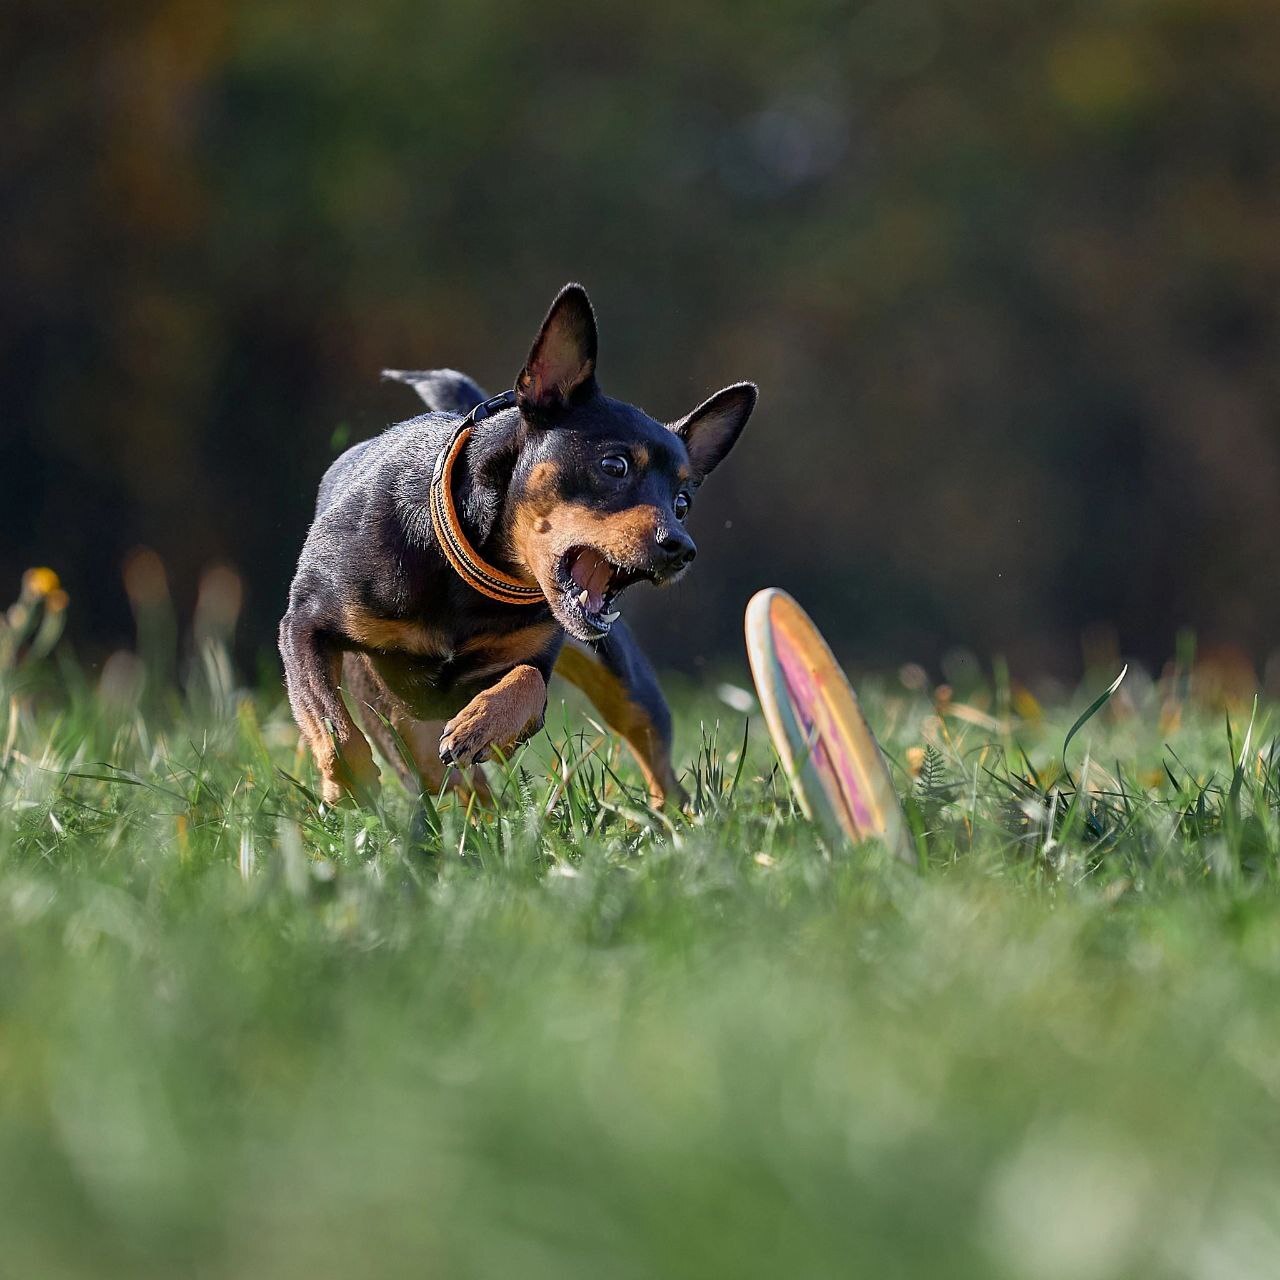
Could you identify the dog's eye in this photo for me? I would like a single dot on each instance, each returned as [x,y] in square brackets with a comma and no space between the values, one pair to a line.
[614,465]
[681,505]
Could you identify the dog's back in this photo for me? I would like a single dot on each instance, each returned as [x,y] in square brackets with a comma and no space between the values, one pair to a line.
[446,394]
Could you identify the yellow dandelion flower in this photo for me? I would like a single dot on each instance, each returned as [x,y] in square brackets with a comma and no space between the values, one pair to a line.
[39,583]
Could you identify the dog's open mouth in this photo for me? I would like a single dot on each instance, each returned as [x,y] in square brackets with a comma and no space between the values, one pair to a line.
[588,583]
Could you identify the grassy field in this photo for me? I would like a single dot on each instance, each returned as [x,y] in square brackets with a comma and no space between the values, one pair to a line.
[241,1037]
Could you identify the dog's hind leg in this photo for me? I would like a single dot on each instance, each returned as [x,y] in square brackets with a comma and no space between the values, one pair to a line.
[376,712]
[618,679]
[312,665]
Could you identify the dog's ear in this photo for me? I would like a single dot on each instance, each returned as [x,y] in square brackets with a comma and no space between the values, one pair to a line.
[713,428]
[562,364]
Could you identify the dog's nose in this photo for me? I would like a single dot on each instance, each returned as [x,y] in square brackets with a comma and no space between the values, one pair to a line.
[677,548]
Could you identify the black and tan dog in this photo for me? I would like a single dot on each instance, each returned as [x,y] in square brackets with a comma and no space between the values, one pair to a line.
[458,558]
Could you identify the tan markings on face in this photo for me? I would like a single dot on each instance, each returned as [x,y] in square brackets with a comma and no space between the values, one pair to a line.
[626,537]
[684,475]
[390,634]
[538,541]
[641,456]
[531,523]
[542,481]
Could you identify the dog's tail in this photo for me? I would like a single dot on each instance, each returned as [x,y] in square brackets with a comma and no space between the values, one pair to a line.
[442,390]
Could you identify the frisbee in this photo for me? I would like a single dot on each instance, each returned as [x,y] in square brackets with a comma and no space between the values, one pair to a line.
[831,759]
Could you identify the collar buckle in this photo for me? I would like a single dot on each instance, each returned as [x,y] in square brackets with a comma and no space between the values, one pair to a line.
[494,404]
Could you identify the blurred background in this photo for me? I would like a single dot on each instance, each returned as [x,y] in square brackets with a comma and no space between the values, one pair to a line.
[1008,274]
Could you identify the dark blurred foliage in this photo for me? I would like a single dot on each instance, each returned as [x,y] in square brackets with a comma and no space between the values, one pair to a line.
[1007,272]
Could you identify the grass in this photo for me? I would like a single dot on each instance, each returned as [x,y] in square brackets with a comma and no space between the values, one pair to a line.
[242,1037]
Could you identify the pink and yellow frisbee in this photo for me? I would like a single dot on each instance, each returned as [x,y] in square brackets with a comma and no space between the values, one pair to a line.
[827,750]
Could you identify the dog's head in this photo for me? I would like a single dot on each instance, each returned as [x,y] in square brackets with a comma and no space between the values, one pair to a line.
[600,493]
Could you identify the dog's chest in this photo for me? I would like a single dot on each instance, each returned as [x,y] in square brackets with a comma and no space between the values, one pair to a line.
[430,667]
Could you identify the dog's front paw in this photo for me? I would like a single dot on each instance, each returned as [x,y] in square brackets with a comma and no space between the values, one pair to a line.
[467,738]
[471,736]
[499,717]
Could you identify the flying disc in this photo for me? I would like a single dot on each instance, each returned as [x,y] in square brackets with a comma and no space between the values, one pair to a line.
[827,749]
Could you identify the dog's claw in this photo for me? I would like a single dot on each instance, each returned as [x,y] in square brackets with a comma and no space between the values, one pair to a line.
[460,749]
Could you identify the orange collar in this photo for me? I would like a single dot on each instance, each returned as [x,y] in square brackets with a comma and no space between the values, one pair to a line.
[459,552]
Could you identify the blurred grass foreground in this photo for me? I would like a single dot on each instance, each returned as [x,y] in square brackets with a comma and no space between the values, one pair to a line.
[241,1036]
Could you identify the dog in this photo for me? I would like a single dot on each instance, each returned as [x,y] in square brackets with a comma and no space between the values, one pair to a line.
[460,557]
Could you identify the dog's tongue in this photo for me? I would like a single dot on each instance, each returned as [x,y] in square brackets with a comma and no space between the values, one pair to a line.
[591,571]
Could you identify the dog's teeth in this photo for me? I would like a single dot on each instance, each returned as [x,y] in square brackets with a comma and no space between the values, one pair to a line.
[584,597]
[610,618]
